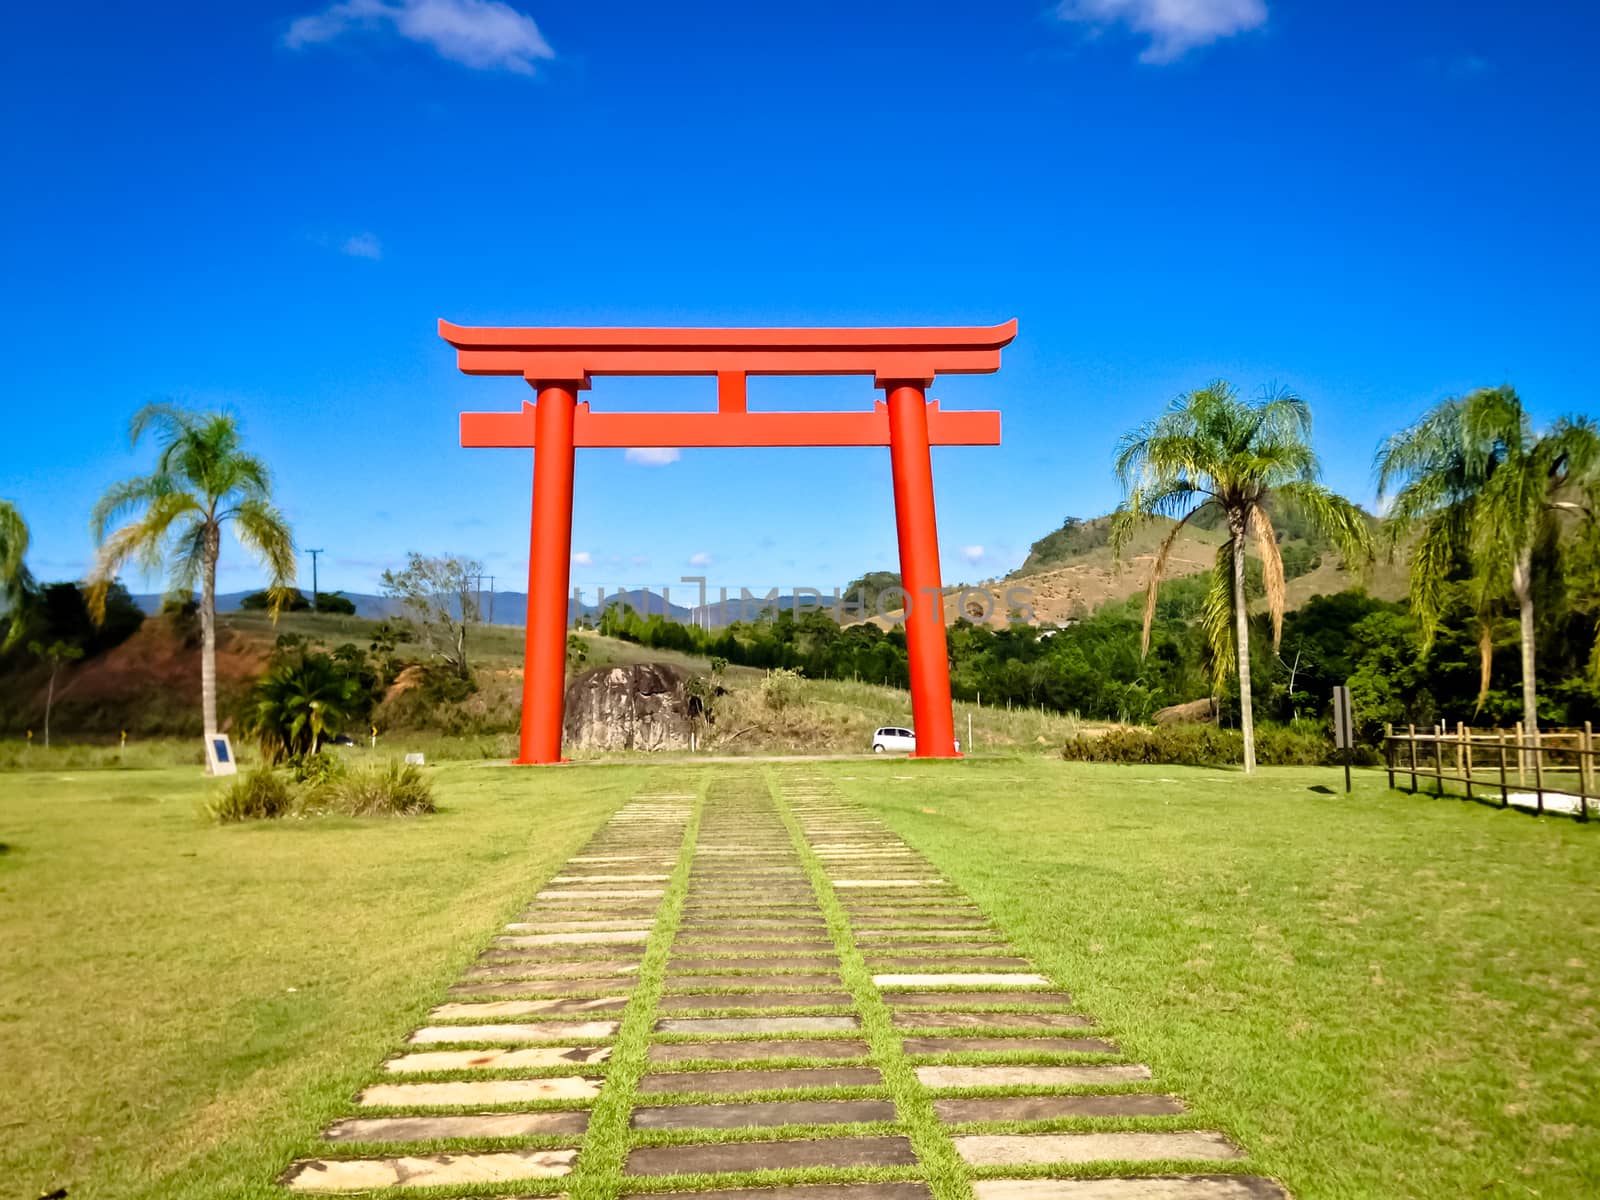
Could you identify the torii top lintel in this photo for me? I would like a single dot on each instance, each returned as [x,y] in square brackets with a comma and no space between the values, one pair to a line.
[569,358]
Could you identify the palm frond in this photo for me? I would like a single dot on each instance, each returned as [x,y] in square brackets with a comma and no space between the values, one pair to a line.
[1157,569]
[1271,571]
[1216,617]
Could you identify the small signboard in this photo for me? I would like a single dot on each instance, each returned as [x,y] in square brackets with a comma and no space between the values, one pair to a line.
[219,755]
[415,760]
[1344,729]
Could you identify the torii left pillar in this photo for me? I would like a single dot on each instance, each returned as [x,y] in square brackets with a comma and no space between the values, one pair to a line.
[549,573]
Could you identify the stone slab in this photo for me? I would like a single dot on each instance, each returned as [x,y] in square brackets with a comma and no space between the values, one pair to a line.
[471,1125]
[771,1156]
[883,961]
[712,945]
[759,1080]
[496,1060]
[922,1019]
[668,1052]
[525,1008]
[1007,1076]
[814,1191]
[541,1031]
[1007,1045]
[693,1000]
[1152,1187]
[775,1112]
[722,1025]
[886,883]
[532,987]
[961,979]
[431,1170]
[478,1091]
[766,980]
[1032,1149]
[971,999]
[595,937]
[888,939]
[550,925]
[611,878]
[601,894]
[594,969]
[733,963]
[1051,1108]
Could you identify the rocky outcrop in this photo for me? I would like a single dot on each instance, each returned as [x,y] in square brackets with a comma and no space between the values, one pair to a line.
[1195,712]
[637,707]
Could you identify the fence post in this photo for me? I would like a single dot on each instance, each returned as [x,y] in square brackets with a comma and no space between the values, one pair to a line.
[1522,758]
[1438,761]
[1586,770]
[1505,795]
[1538,767]
[1412,739]
[1388,750]
[1464,757]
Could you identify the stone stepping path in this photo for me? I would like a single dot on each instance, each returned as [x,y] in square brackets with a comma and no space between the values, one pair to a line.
[763,979]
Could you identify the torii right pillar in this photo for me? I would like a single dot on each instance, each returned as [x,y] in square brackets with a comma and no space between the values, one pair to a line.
[916,524]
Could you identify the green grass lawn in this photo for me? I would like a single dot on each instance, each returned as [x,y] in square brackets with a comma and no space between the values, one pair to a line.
[182,1006]
[1380,995]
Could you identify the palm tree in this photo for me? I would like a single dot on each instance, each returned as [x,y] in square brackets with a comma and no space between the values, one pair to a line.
[1211,450]
[298,704]
[1472,483]
[15,582]
[202,481]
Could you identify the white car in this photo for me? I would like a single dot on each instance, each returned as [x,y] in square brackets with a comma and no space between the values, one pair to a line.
[892,738]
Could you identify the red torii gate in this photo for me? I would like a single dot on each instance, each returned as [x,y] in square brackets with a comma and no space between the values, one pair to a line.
[558,363]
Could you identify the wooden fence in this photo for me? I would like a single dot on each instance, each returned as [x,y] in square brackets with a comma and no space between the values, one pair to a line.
[1551,770]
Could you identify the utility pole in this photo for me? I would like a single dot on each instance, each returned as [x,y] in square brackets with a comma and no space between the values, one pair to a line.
[491,599]
[313,554]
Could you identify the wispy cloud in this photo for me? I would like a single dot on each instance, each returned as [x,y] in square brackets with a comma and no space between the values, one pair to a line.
[652,456]
[973,554]
[363,245]
[702,559]
[486,35]
[1174,26]
[583,559]
[640,560]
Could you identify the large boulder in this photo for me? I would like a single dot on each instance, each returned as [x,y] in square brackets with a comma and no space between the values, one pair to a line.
[1194,712]
[637,707]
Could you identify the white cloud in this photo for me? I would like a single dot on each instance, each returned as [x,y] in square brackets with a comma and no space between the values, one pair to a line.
[652,456]
[701,559]
[486,35]
[973,554]
[1175,26]
[583,559]
[363,245]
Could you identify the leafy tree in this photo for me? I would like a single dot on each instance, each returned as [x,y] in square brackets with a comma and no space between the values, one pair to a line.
[440,595]
[15,582]
[577,652]
[1211,451]
[1472,483]
[279,600]
[203,480]
[57,652]
[336,603]
[302,700]
[863,593]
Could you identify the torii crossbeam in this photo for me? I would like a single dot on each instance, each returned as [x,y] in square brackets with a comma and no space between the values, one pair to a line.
[558,363]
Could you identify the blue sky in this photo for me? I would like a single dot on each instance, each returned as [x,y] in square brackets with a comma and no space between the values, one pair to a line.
[267,207]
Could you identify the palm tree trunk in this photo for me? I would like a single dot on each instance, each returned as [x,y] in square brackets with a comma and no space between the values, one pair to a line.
[1522,584]
[50,700]
[1241,625]
[208,631]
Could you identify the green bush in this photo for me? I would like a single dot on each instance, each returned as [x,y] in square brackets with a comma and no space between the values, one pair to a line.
[259,795]
[393,790]
[781,688]
[317,769]
[1208,746]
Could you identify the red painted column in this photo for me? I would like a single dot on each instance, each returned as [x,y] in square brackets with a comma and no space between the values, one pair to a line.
[544,677]
[919,570]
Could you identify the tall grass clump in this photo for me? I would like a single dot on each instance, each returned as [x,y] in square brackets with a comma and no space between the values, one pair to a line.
[256,795]
[396,789]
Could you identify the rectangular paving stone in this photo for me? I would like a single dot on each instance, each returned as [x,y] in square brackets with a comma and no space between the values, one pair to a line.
[691,1000]
[893,937]
[757,1080]
[811,1191]
[432,1170]
[765,980]
[776,1112]
[472,1125]
[1050,1108]
[554,926]
[1007,1045]
[879,962]
[668,1052]
[771,1156]
[525,1008]
[589,938]
[886,883]
[1030,1149]
[1006,1076]
[712,945]
[532,987]
[734,963]
[478,1092]
[713,1025]
[497,1060]
[599,968]
[541,1031]
[971,999]
[611,878]
[1150,1187]
[621,858]
[965,979]
[600,894]
[927,1019]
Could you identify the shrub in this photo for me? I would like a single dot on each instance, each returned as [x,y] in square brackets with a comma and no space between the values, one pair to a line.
[317,769]
[259,795]
[1208,746]
[394,790]
[780,688]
